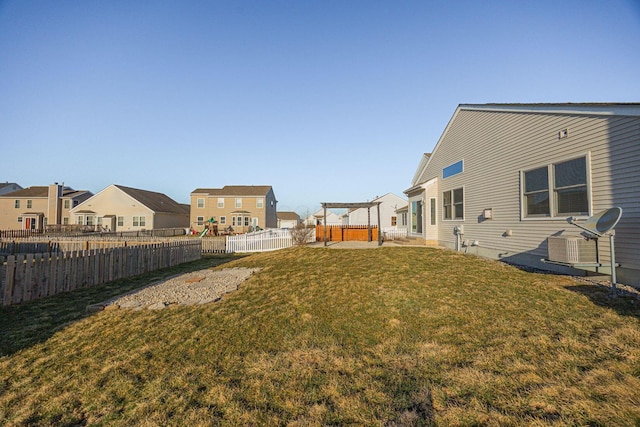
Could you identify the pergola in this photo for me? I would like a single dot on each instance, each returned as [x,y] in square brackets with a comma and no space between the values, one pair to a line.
[356,205]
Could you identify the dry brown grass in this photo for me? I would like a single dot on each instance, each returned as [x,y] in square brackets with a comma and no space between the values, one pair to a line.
[388,336]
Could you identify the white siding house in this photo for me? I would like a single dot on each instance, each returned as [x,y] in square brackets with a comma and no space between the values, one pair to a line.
[511,174]
[389,203]
[318,218]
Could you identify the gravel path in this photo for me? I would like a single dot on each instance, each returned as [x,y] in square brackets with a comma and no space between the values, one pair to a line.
[197,287]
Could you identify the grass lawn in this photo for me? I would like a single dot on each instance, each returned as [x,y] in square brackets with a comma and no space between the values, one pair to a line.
[386,336]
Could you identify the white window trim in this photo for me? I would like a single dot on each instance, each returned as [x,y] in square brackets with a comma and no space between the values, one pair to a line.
[200,203]
[238,202]
[220,202]
[464,211]
[552,202]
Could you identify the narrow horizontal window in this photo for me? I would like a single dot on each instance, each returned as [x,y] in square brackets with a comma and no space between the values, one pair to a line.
[453,169]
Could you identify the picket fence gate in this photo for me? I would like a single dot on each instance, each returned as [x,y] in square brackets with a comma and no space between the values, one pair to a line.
[31,276]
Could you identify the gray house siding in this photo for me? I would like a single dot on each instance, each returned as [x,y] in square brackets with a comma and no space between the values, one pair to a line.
[496,147]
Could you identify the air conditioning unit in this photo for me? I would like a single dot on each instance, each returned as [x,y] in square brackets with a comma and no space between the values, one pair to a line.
[571,250]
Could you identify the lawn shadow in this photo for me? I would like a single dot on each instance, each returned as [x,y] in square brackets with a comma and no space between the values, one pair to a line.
[625,302]
[33,322]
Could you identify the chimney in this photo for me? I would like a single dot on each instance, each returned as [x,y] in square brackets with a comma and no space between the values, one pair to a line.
[54,215]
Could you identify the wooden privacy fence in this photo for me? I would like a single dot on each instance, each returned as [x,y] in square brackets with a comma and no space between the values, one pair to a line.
[84,232]
[214,245]
[344,233]
[31,276]
[18,247]
[84,243]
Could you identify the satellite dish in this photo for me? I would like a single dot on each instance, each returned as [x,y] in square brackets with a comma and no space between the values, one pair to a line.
[603,221]
[600,224]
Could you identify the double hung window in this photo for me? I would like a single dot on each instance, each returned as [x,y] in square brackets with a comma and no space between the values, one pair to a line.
[453,204]
[558,189]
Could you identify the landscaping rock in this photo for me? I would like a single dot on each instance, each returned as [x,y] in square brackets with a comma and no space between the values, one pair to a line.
[198,287]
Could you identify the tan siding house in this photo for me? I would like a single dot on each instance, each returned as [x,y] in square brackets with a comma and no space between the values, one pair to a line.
[511,174]
[238,207]
[120,208]
[39,207]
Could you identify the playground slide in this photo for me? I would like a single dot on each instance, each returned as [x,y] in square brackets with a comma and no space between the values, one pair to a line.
[205,231]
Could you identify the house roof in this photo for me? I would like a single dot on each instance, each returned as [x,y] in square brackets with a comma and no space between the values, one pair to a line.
[594,108]
[288,216]
[600,108]
[43,191]
[71,193]
[38,191]
[6,184]
[235,190]
[157,202]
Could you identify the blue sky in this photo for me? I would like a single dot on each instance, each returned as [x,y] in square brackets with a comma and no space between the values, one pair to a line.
[327,101]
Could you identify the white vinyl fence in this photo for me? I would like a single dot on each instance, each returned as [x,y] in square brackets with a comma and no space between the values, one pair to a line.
[263,241]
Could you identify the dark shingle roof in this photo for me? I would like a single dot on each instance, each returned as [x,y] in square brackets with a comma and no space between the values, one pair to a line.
[235,190]
[157,202]
[71,193]
[6,184]
[29,192]
[43,191]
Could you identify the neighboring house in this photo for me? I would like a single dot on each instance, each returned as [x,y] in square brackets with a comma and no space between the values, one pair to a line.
[288,219]
[241,207]
[9,187]
[119,208]
[511,174]
[318,218]
[39,207]
[389,203]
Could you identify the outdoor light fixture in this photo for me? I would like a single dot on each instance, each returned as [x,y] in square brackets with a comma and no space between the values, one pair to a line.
[487,213]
